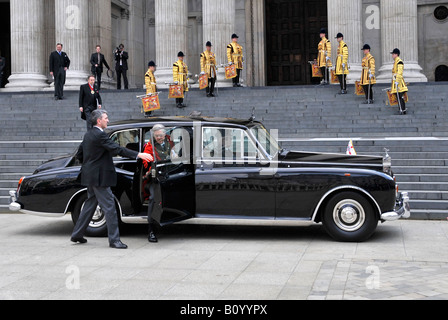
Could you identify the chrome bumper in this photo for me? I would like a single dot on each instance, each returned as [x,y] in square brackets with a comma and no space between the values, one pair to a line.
[13,204]
[403,211]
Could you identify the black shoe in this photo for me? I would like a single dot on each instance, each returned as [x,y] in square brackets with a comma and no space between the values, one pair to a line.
[235,85]
[152,237]
[118,245]
[80,240]
[212,95]
[179,106]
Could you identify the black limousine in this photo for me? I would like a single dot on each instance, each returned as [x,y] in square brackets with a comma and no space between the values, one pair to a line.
[224,169]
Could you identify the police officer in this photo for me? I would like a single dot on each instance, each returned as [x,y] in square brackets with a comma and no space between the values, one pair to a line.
[180,76]
[235,56]
[368,74]
[208,66]
[342,63]
[398,83]
[323,57]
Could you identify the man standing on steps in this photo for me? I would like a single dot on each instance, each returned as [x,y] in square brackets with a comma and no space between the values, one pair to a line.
[89,100]
[59,64]
[180,76]
[323,57]
[97,60]
[368,74]
[342,63]
[121,66]
[235,56]
[208,66]
[98,175]
[398,84]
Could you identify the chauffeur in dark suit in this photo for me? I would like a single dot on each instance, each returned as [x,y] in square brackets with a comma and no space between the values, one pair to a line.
[98,175]
[59,64]
[97,60]
[89,100]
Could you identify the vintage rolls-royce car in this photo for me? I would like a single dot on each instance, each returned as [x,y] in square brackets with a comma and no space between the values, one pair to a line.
[224,168]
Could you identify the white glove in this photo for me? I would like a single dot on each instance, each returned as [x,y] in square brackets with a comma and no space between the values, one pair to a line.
[176,82]
[327,59]
[396,84]
[202,73]
[370,76]
[343,65]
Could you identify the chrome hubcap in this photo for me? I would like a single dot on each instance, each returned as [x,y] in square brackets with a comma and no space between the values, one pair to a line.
[98,219]
[349,215]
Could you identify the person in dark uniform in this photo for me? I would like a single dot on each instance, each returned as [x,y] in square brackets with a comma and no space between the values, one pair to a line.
[97,60]
[121,66]
[89,100]
[59,64]
[98,175]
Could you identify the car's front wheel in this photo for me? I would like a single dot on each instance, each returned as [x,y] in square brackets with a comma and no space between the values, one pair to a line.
[97,227]
[350,217]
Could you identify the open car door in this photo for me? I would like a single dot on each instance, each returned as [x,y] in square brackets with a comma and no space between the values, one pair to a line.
[172,175]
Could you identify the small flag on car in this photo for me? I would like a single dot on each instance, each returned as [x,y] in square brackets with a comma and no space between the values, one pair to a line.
[351,149]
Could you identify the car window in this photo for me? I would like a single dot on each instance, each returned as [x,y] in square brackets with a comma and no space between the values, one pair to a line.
[129,139]
[172,145]
[227,144]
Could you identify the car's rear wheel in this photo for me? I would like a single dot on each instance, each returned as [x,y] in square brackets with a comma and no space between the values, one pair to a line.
[348,216]
[97,227]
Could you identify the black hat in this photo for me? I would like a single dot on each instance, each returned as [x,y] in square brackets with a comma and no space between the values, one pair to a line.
[366,47]
[180,54]
[395,51]
[151,64]
[340,35]
[323,31]
[208,44]
[234,36]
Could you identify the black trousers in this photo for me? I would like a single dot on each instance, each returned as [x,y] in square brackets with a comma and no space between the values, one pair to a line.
[325,74]
[236,80]
[88,113]
[179,101]
[211,86]
[98,74]
[366,91]
[343,81]
[105,198]
[401,103]
[59,82]
[151,203]
[122,72]
[1,79]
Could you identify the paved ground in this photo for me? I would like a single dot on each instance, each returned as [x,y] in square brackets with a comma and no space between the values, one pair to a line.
[404,260]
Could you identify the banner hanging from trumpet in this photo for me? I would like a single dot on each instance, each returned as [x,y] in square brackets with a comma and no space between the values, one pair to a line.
[203,81]
[230,71]
[151,103]
[176,91]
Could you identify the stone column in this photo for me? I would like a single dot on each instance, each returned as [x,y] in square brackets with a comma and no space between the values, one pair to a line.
[399,30]
[345,16]
[218,27]
[171,37]
[27,46]
[72,30]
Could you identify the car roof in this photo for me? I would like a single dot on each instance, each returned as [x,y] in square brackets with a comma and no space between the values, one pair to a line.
[179,119]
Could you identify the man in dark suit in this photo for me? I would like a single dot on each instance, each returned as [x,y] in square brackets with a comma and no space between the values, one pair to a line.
[121,66]
[97,61]
[89,100]
[98,175]
[59,64]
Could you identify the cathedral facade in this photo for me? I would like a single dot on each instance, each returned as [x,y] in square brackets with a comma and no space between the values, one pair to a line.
[279,37]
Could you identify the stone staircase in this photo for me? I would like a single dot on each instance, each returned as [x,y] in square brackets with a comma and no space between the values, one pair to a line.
[35,128]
